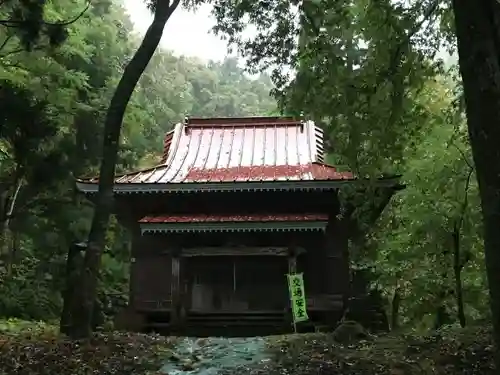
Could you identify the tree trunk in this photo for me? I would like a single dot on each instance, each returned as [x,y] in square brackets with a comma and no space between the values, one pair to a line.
[6,240]
[84,303]
[14,249]
[73,265]
[459,259]
[4,192]
[395,305]
[478,34]
[457,270]
[442,316]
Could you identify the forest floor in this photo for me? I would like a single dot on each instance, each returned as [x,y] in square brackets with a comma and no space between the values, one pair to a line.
[29,349]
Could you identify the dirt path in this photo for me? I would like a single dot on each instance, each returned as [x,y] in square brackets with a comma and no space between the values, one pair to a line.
[214,355]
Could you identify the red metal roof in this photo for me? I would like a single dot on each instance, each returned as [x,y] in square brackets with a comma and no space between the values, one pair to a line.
[232,218]
[248,149]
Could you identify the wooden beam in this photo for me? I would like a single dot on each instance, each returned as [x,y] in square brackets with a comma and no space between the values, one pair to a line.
[236,251]
[325,302]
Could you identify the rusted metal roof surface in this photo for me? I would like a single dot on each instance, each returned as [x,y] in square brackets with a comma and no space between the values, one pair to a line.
[251,149]
[231,218]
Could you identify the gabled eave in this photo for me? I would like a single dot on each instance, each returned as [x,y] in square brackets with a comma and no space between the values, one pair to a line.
[186,187]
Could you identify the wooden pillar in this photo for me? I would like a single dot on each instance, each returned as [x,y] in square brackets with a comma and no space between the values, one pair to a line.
[292,268]
[134,247]
[175,283]
[292,260]
[345,227]
[130,222]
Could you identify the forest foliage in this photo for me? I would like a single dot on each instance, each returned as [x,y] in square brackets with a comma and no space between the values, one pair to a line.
[382,79]
[370,77]
[53,102]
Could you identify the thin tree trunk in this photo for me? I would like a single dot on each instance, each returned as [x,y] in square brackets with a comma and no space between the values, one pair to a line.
[84,304]
[73,266]
[74,257]
[14,247]
[442,316]
[395,305]
[459,259]
[457,270]
[5,232]
[4,188]
[478,35]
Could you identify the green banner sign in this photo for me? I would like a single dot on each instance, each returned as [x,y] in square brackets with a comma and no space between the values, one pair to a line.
[297,297]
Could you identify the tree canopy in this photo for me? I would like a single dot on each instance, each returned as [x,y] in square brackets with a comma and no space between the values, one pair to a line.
[372,74]
[375,76]
[53,104]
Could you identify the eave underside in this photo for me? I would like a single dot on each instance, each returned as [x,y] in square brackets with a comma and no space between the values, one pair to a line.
[290,185]
[289,226]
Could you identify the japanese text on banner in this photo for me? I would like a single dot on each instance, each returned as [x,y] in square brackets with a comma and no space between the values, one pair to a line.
[297,297]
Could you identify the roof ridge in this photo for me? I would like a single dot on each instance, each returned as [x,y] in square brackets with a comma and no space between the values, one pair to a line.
[167,142]
[200,217]
[236,122]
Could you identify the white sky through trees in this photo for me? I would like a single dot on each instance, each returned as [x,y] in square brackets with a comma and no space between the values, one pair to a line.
[189,34]
[186,33]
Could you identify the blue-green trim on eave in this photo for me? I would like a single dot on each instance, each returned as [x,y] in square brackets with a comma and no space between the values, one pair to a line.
[290,185]
[272,226]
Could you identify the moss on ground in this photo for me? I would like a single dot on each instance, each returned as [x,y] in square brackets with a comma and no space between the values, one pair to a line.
[449,351]
[37,348]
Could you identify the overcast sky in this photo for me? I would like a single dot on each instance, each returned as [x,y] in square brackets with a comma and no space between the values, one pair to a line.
[186,33]
[189,33]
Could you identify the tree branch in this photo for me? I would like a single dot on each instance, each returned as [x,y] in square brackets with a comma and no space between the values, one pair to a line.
[465,202]
[396,56]
[19,50]
[67,23]
[16,66]
[173,7]
[462,153]
[14,23]
[34,202]
[310,18]
[9,37]
[4,153]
